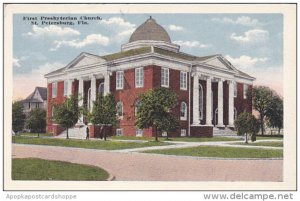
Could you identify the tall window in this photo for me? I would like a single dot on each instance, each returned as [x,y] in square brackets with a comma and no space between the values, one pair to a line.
[164,77]
[120,109]
[183,111]
[54,89]
[137,107]
[101,89]
[200,102]
[119,80]
[65,88]
[183,80]
[139,77]
[245,89]
[235,89]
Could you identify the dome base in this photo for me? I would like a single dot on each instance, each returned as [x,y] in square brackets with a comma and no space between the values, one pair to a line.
[146,43]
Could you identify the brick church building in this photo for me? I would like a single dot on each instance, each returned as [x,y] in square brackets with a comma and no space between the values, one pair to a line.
[211,91]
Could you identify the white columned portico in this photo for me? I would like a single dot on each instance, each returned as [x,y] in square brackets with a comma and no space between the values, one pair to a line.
[196,119]
[70,82]
[231,104]
[93,90]
[208,101]
[107,83]
[80,98]
[220,103]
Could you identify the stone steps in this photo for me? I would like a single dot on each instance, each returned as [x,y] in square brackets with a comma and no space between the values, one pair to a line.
[224,132]
[78,133]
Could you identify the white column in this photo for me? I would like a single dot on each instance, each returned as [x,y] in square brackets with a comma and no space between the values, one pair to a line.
[196,115]
[80,99]
[107,83]
[93,90]
[70,87]
[208,101]
[220,103]
[231,105]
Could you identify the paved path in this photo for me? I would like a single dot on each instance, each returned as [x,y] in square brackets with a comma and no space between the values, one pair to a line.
[150,167]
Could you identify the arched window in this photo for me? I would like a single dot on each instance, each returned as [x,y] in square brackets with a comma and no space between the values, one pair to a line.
[200,102]
[183,111]
[137,107]
[120,109]
[89,100]
[101,89]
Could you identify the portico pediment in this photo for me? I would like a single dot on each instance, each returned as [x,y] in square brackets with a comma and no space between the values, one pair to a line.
[84,59]
[219,62]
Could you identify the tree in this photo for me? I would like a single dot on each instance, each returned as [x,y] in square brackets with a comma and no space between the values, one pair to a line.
[262,97]
[104,112]
[36,121]
[155,110]
[246,124]
[18,116]
[67,113]
[275,113]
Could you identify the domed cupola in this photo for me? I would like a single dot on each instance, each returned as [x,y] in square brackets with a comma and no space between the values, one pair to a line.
[150,34]
[150,30]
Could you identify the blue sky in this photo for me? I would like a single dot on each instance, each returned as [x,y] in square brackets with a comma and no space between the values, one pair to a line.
[251,42]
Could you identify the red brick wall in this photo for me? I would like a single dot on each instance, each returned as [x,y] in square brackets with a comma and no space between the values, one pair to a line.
[240,103]
[57,100]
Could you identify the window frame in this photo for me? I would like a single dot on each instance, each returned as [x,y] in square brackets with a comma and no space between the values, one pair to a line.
[181,134]
[120,130]
[165,77]
[122,109]
[66,83]
[245,89]
[54,86]
[119,80]
[139,132]
[201,102]
[139,77]
[183,80]
[235,90]
[183,118]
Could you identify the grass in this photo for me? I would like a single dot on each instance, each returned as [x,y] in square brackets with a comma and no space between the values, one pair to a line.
[261,143]
[90,144]
[268,138]
[38,169]
[34,134]
[221,152]
[184,139]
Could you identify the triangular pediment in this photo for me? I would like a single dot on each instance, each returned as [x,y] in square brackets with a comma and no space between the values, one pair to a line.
[85,59]
[219,63]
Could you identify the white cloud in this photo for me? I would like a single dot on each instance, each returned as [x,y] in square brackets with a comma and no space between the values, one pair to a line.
[192,44]
[90,39]
[251,36]
[120,26]
[52,30]
[173,27]
[16,63]
[32,79]
[243,20]
[245,62]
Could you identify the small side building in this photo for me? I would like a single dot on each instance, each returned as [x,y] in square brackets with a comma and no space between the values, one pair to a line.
[37,99]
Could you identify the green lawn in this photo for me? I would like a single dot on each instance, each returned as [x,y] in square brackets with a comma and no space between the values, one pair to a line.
[268,138]
[38,169]
[91,144]
[261,143]
[184,139]
[34,134]
[221,152]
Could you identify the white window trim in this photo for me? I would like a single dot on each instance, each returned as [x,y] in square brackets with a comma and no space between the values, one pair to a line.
[183,118]
[165,78]
[201,101]
[54,84]
[235,90]
[183,80]
[139,78]
[66,88]
[120,130]
[139,133]
[120,103]
[245,89]
[183,134]
[119,80]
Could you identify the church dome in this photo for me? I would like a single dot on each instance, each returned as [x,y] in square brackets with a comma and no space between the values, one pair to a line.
[150,30]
